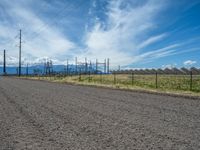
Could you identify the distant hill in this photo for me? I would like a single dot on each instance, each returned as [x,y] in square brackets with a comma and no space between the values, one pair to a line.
[39,68]
[14,69]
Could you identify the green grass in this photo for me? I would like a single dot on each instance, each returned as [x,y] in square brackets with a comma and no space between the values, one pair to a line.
[166,83]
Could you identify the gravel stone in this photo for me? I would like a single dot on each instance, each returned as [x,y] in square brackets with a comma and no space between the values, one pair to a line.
[42,115]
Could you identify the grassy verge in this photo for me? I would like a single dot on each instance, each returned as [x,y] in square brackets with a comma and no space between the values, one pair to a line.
[172,84]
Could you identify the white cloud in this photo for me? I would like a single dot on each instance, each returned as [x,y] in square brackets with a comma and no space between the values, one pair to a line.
[117,38]
[48,42]
[151,40]
[10,60]
[189,62]
[159,53]
[13,61]
[120,37]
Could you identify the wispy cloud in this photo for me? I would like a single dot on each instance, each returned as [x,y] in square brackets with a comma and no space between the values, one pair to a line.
[151,40]
[124,33]
[159,53]
[49,42]
[118,37]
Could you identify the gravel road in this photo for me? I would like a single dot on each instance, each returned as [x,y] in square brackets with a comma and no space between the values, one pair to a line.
[40,115]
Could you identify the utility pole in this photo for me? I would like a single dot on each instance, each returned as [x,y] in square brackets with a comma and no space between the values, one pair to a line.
[86,65]
[27,69]
[96,66]
[76,67]
[90,68]
[119,68]
[67,67]
[51,67]
[105,66]
[108,65]
[4,62]
[20,50]
[45,68]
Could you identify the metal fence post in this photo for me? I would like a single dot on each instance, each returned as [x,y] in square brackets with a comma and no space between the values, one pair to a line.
[101,77]
[89,77]
[132,78]
[79,76]
[190,80]
[114,78]
[156,80]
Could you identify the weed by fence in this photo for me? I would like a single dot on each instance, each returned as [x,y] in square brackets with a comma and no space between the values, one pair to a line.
[188,82]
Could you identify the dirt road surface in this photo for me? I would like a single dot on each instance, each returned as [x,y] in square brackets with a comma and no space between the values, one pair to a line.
[40,115]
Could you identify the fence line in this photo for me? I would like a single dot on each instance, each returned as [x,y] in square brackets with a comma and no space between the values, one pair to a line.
[188,82]
[179,79]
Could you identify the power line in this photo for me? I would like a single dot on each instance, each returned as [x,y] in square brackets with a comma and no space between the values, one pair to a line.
[40,29]
[53,21]
[4,62]
[20,51]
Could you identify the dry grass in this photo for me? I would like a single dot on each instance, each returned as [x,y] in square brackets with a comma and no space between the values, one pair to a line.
[179,84]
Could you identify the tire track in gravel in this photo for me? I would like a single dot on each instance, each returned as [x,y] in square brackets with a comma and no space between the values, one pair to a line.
[169,123]
[80,121]
[5,126]
[35,137]
[38,123]
[81,107]
[140,129]
[108,102]
[78,132]
[125,101]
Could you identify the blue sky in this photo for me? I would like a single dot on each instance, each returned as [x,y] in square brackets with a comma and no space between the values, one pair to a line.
[132,33]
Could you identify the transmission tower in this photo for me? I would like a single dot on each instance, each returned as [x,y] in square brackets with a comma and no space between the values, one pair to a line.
[20,51]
